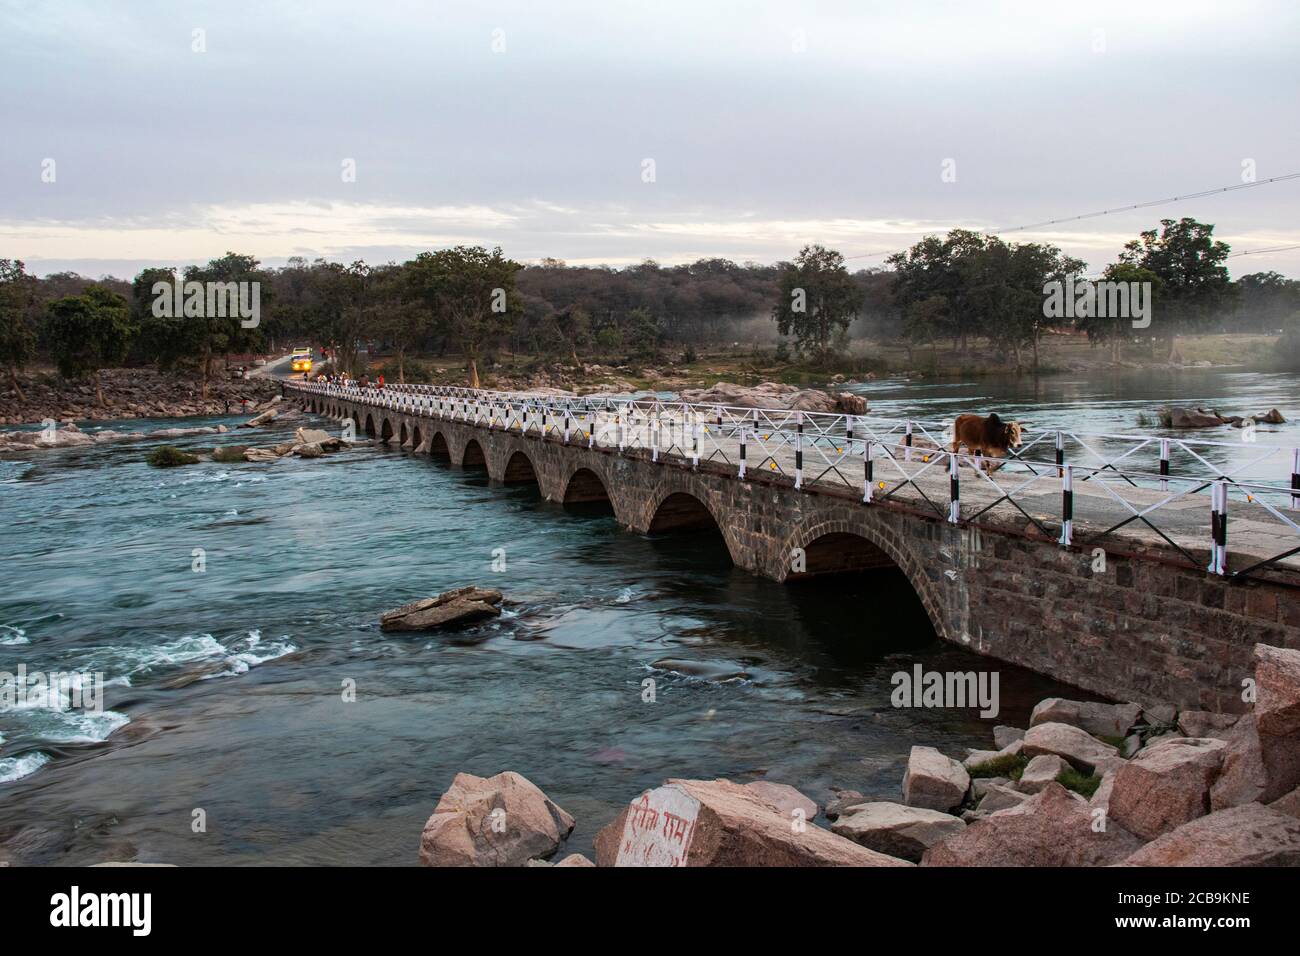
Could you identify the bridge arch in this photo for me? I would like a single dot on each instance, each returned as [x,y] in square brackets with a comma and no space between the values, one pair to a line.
[370,425]
[417,438]
[403,434]
[519,470]
[585,487]
[472,456]
[857,544]
[438,446]
[385,429]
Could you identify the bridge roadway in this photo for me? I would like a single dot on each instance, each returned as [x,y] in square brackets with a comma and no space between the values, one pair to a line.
[978,545]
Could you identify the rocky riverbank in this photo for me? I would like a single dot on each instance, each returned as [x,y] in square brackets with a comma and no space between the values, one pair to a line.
[1086,784]
[128,393]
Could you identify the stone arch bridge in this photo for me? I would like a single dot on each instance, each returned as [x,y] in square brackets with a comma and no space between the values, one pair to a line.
[1148,625]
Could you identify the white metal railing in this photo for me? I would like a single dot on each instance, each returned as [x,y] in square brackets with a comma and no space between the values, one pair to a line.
[1098,483]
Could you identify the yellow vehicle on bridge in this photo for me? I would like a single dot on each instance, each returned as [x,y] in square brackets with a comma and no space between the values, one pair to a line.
[300,360]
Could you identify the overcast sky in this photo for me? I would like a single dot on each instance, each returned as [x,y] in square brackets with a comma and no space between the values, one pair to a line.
[528,125]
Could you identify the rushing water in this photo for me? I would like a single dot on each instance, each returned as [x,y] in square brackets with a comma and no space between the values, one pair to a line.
[226,687]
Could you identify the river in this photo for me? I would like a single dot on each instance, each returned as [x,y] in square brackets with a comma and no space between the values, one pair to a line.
[228,688]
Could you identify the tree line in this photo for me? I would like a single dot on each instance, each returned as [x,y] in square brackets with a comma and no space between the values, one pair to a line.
[475,302]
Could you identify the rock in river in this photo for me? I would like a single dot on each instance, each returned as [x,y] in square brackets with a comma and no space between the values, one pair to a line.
[461,606]
[494,821]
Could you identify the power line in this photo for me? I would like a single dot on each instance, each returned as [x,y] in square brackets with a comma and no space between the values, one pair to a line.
[1140,205]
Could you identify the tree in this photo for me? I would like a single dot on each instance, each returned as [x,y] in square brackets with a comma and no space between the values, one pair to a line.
[17,340]
[214,335]
[1116,330]
[1188,261]
[89,332]
[472,293]
[948,268]
[816,298]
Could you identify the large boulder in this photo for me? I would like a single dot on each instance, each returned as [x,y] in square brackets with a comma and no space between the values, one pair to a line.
[1166,785]
[261,419]
[1000,797]
[1052,828]
[842,801]
[1109,720]
[1277,716]
[934,781]
[1249,835]
[1242,779]
[811,400]
[495,821]
[783,798]
[311,436]
[1177,416]
[1004,737]
[1289,804]
[904,832]
[1206,723]
[1041,771]
[1084,751]
[720,823]
[461,606]
[851,404]
[764,395]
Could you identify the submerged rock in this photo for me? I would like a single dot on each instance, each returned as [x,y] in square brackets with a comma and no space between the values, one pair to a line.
[461,606]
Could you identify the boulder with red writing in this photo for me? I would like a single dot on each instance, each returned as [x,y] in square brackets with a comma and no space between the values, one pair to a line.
[720,823]
[494,821]
[1166,785]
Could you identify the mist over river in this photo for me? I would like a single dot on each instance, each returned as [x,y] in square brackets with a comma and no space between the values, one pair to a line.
[225,688]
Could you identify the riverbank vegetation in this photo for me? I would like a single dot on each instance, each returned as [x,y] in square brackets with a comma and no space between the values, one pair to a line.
[964,303]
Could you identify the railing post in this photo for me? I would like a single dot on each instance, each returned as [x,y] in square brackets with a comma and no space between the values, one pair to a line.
[1164,464]
[1060,455]
[743,431]
[798,450]
[907,441]
[654,435]
[1219,528]
[567,423]
[954,490]
[867,468]
[622,431]
[695,440]
[590,429]
[1067,505]
[1295,478]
